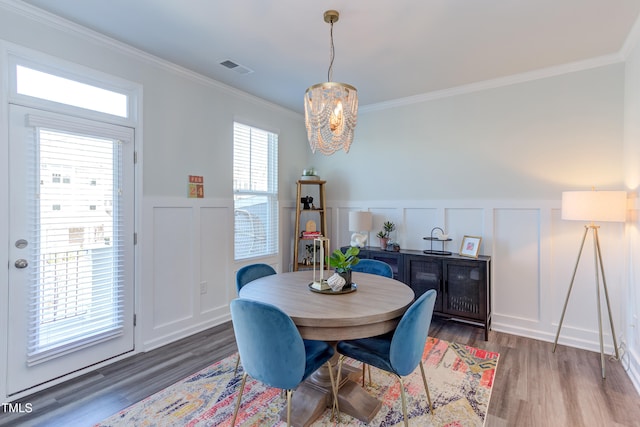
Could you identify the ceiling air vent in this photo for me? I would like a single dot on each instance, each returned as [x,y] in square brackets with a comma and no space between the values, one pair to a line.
[240,69]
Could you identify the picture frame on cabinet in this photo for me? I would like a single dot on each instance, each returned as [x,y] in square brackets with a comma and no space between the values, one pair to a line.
[470,246]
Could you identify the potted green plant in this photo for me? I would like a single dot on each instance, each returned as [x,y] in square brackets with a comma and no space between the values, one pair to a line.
[342,262]
[387,228]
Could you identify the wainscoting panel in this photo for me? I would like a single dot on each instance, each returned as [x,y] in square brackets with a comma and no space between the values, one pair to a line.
[382,214]
[418,224]
[516,258]
[172,265]
[460,222]
[187,253]
[216,254]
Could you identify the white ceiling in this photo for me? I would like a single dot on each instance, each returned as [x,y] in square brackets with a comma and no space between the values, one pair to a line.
[387,50]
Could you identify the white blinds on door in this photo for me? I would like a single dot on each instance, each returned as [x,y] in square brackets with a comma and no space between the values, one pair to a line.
[76,289]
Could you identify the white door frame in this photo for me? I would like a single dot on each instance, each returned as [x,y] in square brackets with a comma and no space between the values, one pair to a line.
[7,52]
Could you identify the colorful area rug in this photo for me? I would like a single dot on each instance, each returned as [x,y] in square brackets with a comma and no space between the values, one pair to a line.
[460,380]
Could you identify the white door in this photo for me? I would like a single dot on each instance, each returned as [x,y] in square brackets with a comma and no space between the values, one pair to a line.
[71,245]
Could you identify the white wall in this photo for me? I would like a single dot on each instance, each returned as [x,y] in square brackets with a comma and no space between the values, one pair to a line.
[524,141]
[631,308]
[493,163]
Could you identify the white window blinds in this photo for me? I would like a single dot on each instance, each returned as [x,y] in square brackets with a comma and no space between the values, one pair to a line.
[255,190]
[76,289]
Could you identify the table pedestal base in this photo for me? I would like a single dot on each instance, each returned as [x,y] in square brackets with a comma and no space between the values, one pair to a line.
[312,397]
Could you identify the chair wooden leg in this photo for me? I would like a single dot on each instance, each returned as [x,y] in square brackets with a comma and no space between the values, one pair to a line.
[334,388]
[426,387]
[369,370]
[404,402]
[235,411]
[289,394]
[237,365]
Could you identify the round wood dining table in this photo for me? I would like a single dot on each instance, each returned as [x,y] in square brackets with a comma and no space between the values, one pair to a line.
[374,308]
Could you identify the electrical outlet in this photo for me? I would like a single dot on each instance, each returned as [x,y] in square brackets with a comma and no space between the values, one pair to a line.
[203,288]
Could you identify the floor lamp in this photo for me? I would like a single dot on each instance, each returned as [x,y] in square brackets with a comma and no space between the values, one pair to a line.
[592,206]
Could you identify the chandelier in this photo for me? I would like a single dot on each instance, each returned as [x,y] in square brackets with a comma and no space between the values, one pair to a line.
[330,108]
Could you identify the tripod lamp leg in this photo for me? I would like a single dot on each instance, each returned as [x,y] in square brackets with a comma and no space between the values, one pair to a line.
[596,247]
[606,296]
[573,277]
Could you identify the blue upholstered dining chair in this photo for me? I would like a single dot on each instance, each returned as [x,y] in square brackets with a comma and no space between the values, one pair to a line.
[273,351]
[380,268]
[247,274]
[400,352]
[373,266]
[251,272]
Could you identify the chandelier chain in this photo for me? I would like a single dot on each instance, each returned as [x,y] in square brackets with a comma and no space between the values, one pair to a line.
[332,54]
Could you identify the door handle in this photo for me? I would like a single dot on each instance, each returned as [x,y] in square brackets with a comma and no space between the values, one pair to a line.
[21,263]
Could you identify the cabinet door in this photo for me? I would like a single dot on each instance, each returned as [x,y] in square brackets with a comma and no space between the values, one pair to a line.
[465,289]
[422,274]
[393,259]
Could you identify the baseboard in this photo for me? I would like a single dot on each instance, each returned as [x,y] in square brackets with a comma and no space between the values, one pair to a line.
[584,340]
[633,368]
[183,333]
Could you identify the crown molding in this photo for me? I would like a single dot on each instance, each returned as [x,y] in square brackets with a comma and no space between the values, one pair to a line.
[72,28]
[69,27]
[542,73]
[632,39]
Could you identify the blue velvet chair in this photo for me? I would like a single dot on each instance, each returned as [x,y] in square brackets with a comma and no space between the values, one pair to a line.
[273,351]
[247,274]
[399,352]
[380,268]
[251,272]
[373,266]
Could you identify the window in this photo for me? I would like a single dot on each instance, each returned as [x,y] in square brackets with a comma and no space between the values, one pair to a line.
[255,191]
[47,86]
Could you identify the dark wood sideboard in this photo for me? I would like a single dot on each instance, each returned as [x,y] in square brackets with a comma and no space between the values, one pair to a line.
[463,284]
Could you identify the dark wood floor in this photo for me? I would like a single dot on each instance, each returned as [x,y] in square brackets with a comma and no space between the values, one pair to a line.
[533,386]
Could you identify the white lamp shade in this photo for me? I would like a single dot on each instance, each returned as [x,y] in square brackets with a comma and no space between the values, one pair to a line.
[360,221]
[593,205]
